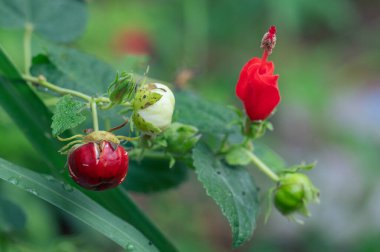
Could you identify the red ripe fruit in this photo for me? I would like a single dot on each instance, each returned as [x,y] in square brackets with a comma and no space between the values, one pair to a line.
[98,165]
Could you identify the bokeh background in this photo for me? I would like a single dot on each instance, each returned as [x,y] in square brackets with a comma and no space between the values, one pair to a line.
[328,58]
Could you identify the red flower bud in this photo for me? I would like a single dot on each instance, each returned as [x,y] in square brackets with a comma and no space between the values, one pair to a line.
[98,165]
[257,85]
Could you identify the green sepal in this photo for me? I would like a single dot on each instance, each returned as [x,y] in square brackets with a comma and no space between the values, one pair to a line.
[122,89]
[237,111]
[143,125]
[145,97]
[302,166]
[267,203]
[256,129]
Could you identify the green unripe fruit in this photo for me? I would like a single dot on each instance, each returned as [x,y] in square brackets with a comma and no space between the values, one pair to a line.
[293,193]
[289,198]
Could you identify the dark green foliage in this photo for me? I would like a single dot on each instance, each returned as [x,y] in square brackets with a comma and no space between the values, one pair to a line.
[233,190]
[72,69]
[57,20]
[153,175]
[12,217]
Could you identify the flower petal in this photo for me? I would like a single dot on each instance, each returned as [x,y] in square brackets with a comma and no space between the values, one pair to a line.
[261,101]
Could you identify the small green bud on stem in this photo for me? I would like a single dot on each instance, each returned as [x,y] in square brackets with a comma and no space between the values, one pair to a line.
[181,138]
[293,193]
[122,88]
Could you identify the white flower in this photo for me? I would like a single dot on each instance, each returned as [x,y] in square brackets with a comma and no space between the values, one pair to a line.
[153,108]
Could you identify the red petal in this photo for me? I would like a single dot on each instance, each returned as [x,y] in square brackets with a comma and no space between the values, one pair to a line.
[261,101]
[270,80]
[242,83]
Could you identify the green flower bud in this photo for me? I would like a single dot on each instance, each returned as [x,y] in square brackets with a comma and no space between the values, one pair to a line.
[181,138]
[122,88]
[293,193]
[153,108]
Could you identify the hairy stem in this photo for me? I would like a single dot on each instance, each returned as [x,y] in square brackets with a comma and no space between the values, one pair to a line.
[64,91]
[263,167]
[69,138]
[102,99]
[136,154]
[94,112]
[27,47]
[128,139]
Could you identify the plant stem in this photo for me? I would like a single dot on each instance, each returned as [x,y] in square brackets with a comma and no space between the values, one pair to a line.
[27,47]
[102,99]
[128,139]
[94,112]
[156,155]
[263,167]
[43,82]
[69,138]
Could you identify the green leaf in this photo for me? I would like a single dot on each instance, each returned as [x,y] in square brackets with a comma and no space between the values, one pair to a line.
[208,117]
[77,204]
[238,155]
[118,201]
[233,190]
[152,175]
[58,20]
[214,121]
[12,217]
[68,114]
[28,112]
[7,68]
[72,69]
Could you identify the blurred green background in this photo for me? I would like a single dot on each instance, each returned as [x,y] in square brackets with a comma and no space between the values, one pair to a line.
[328,58]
